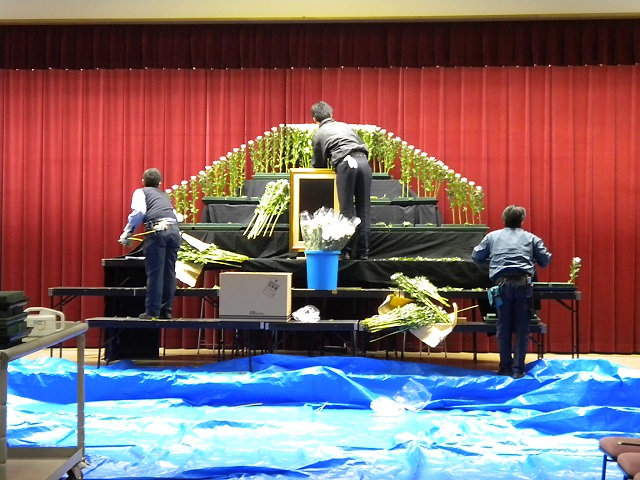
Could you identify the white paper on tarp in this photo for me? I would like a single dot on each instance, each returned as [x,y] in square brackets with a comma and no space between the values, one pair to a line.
[433,335]
[189,272]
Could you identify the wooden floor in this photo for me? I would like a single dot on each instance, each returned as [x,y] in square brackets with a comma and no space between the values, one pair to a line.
[485,361]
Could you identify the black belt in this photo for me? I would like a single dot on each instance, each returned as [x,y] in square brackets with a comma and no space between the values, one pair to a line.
[519,277]
[513,275]
[149,225]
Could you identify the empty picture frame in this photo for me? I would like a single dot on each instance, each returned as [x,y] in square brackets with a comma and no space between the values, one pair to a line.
[310,189]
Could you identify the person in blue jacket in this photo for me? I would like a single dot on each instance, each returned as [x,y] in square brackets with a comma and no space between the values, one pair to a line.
[512,254]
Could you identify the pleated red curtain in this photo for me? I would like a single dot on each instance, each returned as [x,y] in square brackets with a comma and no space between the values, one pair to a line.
[561,141]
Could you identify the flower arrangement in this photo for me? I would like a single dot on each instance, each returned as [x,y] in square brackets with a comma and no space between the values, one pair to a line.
[236,161]
[407,166]
[326,230]
[273,203]
[424,307]
[180,196]
[288,146]
[466,199]
[574,269]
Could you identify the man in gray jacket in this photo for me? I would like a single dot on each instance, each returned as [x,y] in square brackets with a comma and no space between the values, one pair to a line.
[338,143]
[512,254]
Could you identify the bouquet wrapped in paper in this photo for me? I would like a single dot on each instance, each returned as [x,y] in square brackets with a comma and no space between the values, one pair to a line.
[326,229]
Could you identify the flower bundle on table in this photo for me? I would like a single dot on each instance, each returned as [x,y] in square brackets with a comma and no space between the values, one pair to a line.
[422,308]
[326,229]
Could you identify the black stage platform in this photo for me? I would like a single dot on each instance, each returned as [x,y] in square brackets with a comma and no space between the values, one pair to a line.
[386,242]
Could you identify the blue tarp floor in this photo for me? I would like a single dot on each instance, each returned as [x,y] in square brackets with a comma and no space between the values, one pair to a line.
[328,418]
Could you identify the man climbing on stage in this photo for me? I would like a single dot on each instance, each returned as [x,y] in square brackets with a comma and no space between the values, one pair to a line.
[339,144]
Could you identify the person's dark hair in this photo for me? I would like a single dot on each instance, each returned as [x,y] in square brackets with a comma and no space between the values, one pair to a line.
[513,216]
[152,178]
[321,111]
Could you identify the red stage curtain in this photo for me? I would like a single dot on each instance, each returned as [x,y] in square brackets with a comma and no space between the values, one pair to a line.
[560,141]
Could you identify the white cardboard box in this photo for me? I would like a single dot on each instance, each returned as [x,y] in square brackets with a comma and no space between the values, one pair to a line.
[255,295]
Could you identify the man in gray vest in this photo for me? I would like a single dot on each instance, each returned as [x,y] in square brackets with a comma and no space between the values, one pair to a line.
[152,207]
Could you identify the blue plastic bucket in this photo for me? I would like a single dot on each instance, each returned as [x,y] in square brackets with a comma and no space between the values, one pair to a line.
[322,269]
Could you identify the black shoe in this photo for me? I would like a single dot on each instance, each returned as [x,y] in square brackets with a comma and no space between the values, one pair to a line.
[145,316]
[517,375]
[363,257]
[165,316]
[504,372]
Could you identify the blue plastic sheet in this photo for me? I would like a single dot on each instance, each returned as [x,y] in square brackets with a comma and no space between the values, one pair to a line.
[288,417]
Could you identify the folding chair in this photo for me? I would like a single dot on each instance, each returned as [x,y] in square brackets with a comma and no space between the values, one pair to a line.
[629,463]
[612,447]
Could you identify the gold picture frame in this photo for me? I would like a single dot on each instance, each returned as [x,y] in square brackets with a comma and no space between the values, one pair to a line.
[310,189]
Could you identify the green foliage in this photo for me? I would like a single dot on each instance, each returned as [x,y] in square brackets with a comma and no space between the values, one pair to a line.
[213,254]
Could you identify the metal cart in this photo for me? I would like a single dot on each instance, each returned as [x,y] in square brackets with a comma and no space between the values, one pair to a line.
[48,463]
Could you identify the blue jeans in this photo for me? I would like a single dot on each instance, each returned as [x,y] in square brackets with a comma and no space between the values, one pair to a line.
[514,317]
[161,252]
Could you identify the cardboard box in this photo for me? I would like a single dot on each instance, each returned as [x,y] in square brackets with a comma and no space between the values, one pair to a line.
[255,295]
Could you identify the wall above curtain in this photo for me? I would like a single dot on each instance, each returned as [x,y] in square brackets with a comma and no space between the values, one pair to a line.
[330,10]
[322,45]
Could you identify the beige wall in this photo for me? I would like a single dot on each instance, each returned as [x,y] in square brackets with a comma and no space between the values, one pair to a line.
[106,11]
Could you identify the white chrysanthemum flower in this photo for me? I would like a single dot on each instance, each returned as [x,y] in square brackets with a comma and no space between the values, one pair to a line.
[175,187]
[184,182]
